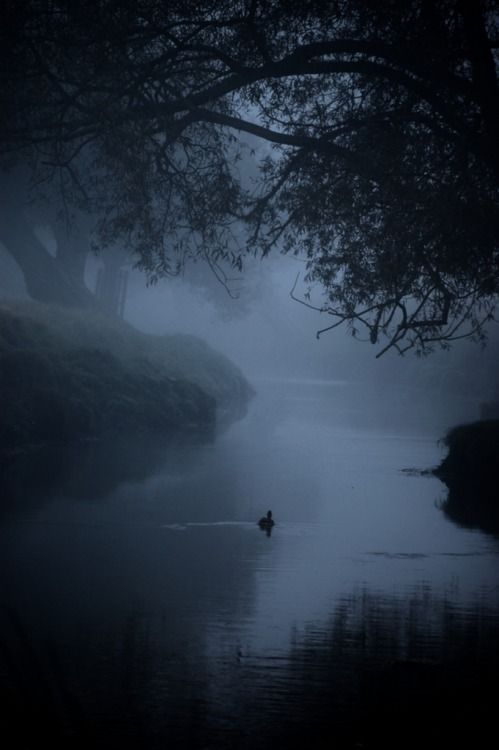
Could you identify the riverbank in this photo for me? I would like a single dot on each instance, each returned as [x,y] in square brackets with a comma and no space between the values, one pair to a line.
[68,375]
[470,472]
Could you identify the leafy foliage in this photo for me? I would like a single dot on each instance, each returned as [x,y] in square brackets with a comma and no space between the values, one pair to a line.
[373,127]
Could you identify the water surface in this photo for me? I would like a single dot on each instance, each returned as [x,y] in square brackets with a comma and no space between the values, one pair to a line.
[143,607]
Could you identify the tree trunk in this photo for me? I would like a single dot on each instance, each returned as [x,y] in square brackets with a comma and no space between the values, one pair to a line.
[112,282]
[72,250]
[46,279]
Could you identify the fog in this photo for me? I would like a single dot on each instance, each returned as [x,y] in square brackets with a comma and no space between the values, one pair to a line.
[141,590]
[249,316]
[226,523]
[269,335]
[254,321]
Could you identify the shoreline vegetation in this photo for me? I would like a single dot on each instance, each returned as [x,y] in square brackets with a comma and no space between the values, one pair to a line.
[69,376]
[470,472]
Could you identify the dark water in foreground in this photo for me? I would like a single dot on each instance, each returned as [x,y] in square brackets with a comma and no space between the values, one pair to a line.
[152,612]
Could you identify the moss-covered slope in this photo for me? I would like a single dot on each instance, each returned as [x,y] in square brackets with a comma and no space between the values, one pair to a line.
[69,375]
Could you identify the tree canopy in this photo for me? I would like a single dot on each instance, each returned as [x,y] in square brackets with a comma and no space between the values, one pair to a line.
[371,128]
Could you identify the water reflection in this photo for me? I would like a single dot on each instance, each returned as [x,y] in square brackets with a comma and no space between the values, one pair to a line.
[160,615]
[392,671]
[383,671]
[86,471]
[473,506]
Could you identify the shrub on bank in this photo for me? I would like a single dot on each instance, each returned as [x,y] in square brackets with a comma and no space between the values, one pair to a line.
[473,452]
[70,375]
[470,471]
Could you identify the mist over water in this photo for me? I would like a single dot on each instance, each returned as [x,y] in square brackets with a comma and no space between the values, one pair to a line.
[143,605]
[275,168]
[159,611]
[272,337]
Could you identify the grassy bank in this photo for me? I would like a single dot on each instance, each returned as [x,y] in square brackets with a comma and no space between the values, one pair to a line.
[470,471]
[67,375]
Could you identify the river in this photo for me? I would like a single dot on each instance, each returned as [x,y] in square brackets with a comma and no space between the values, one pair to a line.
[143,607]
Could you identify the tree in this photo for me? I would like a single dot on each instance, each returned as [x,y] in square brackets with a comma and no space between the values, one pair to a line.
[381,163]
[57,276]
